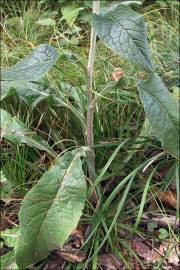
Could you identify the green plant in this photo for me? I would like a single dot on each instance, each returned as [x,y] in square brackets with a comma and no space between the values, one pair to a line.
[8,239]
[123,31]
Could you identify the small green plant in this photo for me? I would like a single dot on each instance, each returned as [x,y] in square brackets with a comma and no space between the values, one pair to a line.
[53,207]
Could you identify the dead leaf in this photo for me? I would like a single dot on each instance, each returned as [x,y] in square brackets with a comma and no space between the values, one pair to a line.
[162,221]
[153,206]
[72,255]
[173,185]
[117,74]
[76,238]
[54,264]
[169,198]
[173,257]
[109,261]
[152,254]
[144,251]
[136,265]
[70,251]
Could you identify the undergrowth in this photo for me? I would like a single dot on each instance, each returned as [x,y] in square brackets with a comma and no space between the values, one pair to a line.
[118,116]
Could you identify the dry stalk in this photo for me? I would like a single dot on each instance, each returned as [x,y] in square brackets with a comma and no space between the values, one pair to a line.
[90,107]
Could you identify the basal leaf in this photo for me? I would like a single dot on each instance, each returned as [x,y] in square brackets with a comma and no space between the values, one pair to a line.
[162,112]
[31,93]
[17,132]
[123,31]
[51,210]
[32,67]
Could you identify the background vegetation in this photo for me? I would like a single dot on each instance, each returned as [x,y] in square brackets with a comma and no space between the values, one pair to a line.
[154,189]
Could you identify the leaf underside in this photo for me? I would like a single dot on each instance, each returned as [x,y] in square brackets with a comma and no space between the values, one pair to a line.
[17,132]
[162,112]
[51,210]
[123,31]
[31,93]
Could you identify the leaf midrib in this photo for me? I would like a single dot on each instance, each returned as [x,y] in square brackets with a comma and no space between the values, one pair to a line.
[37,235]
[11,69]
[134,40]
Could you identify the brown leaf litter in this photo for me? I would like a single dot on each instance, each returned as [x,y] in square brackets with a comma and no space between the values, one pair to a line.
[152,254]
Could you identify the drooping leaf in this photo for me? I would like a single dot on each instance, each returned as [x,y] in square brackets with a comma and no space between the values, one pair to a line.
[51,209]
[19,78]
[123,31]
[70,13]
[162,112]
[17,132]
[32,67]
[31,93]
[7,89]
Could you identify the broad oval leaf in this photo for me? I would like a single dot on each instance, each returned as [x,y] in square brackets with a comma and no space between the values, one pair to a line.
[32,67]
[17,132]
[123,31]
[162,112]
[51,210]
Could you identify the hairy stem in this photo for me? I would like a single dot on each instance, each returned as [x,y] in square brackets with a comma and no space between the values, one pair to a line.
[90,107]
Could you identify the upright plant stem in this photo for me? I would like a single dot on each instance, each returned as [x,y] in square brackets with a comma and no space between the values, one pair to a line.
[90,107]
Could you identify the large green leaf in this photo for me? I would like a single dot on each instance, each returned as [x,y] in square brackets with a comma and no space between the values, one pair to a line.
[31,93]
[17,132]
[32,67]
[162,112]
[123,31]
[51,209]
